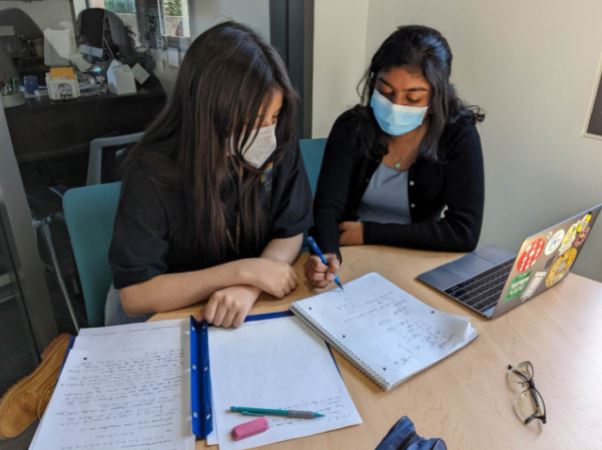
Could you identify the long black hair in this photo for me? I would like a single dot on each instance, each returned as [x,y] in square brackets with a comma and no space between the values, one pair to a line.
[423,48]
[228,75]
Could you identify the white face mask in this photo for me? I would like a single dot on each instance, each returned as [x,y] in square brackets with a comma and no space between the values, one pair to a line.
[262,147]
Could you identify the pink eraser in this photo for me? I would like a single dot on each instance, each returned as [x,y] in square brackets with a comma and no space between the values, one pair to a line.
[244,430]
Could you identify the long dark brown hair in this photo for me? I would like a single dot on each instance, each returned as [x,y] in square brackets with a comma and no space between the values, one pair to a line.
[426,49]
[228,75]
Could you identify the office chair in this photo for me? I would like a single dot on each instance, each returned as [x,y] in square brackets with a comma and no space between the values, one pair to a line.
[97,148]
[44,204]
[312,152]
[47,215]
[89,213]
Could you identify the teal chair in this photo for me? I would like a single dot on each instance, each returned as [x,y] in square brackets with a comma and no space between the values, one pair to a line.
[89,214]
[312,152]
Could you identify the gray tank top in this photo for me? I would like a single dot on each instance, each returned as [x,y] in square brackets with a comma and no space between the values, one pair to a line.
[386,198]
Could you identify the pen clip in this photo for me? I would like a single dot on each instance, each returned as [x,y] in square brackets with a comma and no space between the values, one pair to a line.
[248,413]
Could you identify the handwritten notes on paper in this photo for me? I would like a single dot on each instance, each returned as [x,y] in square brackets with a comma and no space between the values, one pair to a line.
[131,396]
[388,333]
[276,363]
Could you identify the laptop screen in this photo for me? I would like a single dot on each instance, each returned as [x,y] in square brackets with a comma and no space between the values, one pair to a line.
[545,258]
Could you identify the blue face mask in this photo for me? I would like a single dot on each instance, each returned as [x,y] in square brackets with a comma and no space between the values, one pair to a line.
[393,119]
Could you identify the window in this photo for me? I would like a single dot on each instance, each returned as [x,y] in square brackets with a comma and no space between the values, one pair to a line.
[118,6]
[175,21]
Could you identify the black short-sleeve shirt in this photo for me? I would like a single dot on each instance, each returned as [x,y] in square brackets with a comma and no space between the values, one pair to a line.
[149,234]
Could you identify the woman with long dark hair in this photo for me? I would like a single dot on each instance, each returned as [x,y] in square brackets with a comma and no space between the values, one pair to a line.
[215,197]
[404,167]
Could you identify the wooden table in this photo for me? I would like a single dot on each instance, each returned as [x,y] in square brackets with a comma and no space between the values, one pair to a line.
[465,399]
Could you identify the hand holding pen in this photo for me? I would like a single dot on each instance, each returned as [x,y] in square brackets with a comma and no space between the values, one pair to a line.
[321,269]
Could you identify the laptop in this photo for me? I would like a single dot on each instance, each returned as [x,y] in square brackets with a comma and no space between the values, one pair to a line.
[491,281]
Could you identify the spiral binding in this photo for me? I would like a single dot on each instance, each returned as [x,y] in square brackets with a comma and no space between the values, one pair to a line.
[350,355]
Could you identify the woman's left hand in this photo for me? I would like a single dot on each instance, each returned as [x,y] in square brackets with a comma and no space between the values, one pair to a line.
[352,233]
[229,307]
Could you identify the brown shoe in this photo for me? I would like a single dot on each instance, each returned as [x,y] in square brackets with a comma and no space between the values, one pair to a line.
[26,400]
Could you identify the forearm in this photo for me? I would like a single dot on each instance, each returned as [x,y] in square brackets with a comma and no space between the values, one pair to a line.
[285,250]
[172,291]
[442,235]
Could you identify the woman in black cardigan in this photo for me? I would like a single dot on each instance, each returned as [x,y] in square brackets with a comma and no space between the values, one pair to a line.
[405,166]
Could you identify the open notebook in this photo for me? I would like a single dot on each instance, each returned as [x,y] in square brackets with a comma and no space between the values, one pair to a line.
[150,386]
[384,331]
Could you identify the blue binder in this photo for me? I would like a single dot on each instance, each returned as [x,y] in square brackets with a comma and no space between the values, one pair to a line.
[200,379]
[200,376]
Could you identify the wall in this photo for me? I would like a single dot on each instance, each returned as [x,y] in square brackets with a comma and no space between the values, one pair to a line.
[532,66]
[340,36]
[206,13]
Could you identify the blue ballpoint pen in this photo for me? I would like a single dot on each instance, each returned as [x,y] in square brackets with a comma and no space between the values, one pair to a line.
[317,251]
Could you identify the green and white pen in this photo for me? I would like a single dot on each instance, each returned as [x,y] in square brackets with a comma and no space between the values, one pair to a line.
[248,411]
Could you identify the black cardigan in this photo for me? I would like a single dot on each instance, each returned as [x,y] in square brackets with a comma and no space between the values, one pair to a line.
[456,182]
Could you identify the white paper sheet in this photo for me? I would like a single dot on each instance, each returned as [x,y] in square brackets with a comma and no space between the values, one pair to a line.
[389,332]
[122,388]
[135,336]
[212,438]
[276,363]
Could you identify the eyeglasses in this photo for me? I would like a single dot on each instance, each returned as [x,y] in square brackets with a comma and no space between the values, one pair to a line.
[529,404]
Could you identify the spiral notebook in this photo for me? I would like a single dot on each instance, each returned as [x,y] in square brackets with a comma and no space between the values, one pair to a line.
[385,332]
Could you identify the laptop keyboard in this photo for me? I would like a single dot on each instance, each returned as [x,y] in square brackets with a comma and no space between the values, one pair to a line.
[482,291]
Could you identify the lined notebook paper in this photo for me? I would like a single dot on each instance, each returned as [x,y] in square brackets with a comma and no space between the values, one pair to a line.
[384,331]
[123,387]
[276,363]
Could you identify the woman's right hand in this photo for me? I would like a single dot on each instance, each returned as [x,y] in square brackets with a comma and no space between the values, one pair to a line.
[319,274]
[277,278]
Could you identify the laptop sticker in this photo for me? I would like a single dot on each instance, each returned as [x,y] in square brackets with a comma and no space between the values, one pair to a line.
[554,242]
[584,223]
[517,286]
[570,236]
[530,255]
[581,237]
[534,283]
[583,230]
[561,267]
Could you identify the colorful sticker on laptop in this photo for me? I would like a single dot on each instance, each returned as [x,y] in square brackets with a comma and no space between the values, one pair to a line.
[517,286]
[561,267]
[531,254]
[554,242]
[581,237]
[569,237]
[583,230]
[584,223]
[534,283]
